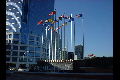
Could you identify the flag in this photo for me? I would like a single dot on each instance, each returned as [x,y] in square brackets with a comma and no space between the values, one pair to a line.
[40,22]
[50,20]
[62,16]
[59,18]
[79,15]
[66,17]
[54,21]
[71,19]
[46,21]
[50,28]
[52,13]
[54,30]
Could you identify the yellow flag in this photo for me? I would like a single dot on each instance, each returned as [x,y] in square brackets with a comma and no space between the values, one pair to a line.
[50,20]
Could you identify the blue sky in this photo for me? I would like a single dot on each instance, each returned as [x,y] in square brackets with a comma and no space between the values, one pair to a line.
[97,24]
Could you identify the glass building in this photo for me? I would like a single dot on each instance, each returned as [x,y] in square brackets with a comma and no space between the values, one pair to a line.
[26,42]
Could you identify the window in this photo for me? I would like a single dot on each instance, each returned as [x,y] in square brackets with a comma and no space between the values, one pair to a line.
[10,35]
[37,38]
[6,41]
[8,53]
[37,59]
[21,53]
[37,49]
[16,36]
[31,37]
[31,59]
[22,47]
[31,42]
[15,47]
[16,42]
[31,54]
[14,53]
[21,59]
[31,48]
[8,46]
[14,59]
[37,54]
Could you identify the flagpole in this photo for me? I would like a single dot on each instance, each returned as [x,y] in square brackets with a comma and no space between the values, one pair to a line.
[83,36]
[74,38]
[71,36]
[46,42]
[64,36]
[55,37]
[58,41]
[61,44]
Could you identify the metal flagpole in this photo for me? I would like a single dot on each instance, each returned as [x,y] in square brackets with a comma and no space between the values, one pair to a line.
[74,38]
[55,38]
[71,36]
[49,50]
[83,36]
[61,43]
[46,42]
[64,36]
[58,41]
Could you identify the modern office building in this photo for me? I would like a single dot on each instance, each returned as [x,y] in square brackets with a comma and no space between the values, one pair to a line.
[79,52]
[26,42]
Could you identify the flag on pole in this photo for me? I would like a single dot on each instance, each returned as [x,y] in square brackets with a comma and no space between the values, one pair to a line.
[79,15]
[46,21]
[50,28]
[50,20]
[40,22]
[59,18]
[52,13]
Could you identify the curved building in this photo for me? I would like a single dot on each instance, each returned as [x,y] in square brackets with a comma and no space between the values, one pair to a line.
[26,41]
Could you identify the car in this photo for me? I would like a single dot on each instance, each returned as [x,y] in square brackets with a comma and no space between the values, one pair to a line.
[23,69]
[12,69]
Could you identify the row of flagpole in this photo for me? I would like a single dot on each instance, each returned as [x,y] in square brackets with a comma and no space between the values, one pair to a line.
[54,47]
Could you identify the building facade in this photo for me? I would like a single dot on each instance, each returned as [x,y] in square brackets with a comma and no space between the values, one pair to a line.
[26,42]
[79,52]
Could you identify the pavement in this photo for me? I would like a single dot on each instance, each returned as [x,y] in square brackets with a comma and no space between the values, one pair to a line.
[58,76]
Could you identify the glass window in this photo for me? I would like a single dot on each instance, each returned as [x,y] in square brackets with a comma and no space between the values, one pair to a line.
[31,37]
[37,49]
[31,42]
[8,53]
[14,59]
[16,36]
[37,38]
[14,53]
[22,54]
[37,54]
[30,59]
[31,54]
[6,41]
[21,59]
[37,59]
[8,46]
[6,36]
[16,42]
[10,35]
[15,47]
[31,48]
[22,47]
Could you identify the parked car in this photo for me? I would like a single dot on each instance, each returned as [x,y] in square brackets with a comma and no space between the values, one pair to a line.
[23,69]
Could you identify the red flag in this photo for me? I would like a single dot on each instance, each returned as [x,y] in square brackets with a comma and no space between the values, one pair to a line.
[62,16]
[52,13]
[40,22]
